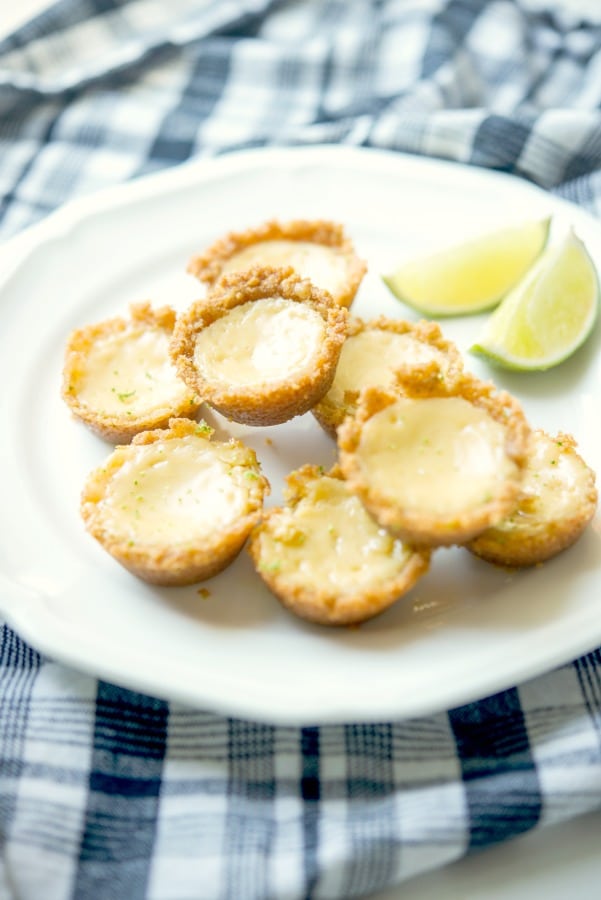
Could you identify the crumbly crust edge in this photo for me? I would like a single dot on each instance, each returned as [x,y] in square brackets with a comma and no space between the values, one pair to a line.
[280,401]
[113,428]
[331,415]
[320,606]
[169,565]
[208,265]
[424,529]
[523,547]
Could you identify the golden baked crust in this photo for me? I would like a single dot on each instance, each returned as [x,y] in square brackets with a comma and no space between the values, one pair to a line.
[121,426]
[557,501]
[331,411]
[158,559]
[208,266]
[422,526]
[279,399]
[325,558]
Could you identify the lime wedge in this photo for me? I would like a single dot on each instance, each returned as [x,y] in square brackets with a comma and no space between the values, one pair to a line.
[548,315]
[472,276]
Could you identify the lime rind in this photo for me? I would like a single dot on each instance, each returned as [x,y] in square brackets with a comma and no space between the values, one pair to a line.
[471,277]
[548,316]
[431,310]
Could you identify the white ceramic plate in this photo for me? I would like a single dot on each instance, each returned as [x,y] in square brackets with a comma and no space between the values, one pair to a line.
[466,630]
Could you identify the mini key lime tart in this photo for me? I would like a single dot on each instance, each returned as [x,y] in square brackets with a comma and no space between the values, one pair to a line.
[325,557]
[118,377]
[318,250]
[435,463]
[262,347]
[372,353]
[175,507]
[557,501]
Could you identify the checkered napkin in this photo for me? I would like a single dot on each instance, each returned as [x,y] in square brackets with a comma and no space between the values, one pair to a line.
[108,794]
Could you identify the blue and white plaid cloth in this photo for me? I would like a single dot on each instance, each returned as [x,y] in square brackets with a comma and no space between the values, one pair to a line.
[106,794]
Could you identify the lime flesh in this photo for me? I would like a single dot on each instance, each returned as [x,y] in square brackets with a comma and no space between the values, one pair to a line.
[473,276]
[548,315]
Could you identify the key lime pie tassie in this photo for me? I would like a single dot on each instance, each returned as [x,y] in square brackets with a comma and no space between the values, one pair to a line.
[437,463]
[118,377]
[262,347]
[317,250]
[371,354]
[173,506]
[324,556]
[557,501]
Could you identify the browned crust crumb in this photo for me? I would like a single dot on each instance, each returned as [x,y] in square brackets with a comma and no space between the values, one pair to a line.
[330,414]
[532,542]
[118,429]
[423,528]
[279,401]
[170,564]
[208,266]
[326,606]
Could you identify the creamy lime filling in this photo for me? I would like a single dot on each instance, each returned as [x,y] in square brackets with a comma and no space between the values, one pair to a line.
[329,542]
[555,483]
[129,372]
[175,491]
[370,358]
[325,267]
[258,342]
[436,456]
